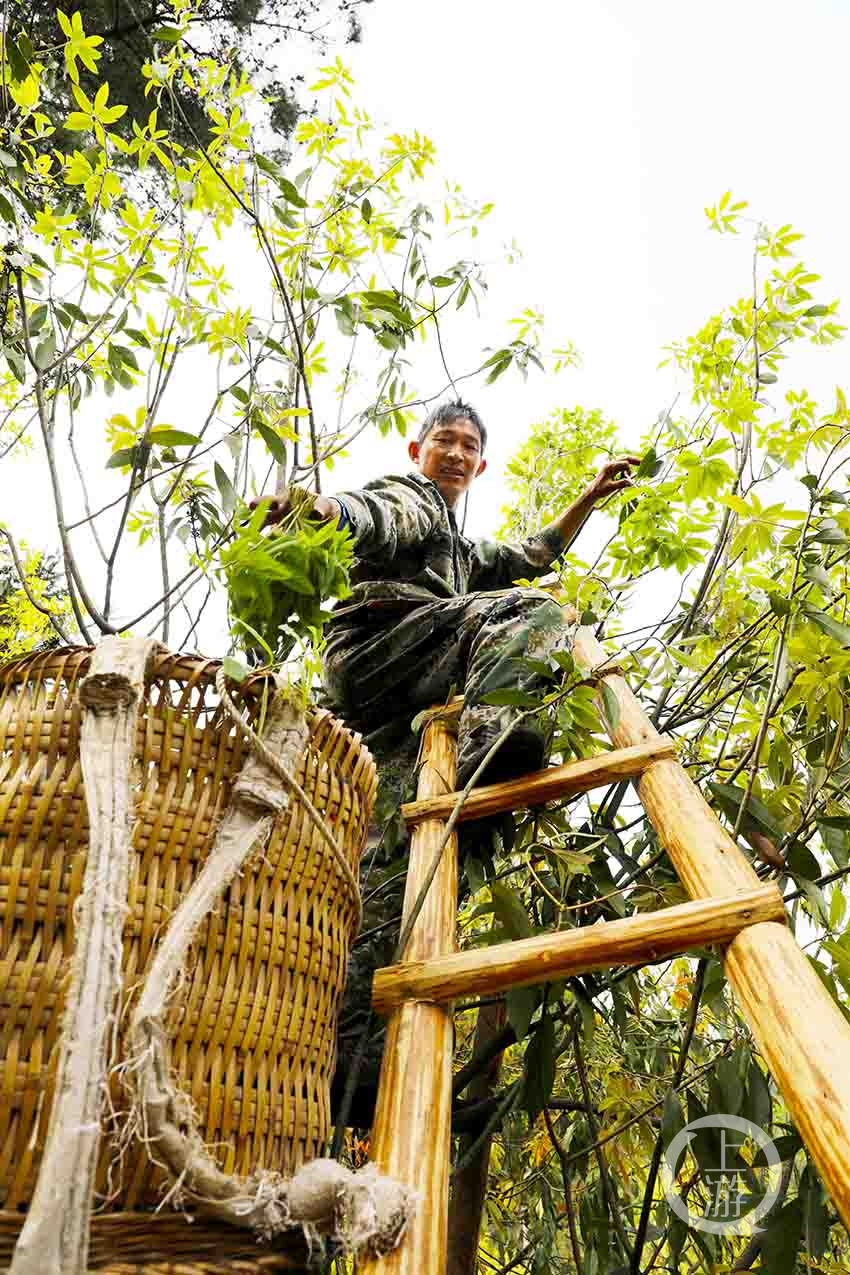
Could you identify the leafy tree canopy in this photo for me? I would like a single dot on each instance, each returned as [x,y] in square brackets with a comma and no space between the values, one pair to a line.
[721,583]
[33,601]
[122,40]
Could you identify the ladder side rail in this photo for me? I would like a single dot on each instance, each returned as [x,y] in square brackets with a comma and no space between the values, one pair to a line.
[411,1132]
[799,1029]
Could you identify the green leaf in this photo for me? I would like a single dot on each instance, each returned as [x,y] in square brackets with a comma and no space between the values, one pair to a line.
[497,363]
[815,1214]
[802,862]
[829,533]
[37,319]
[677,1233]
[649,466]
[757,1105]
[756,814]
[612,706]
[816,898]
[16,362]
[538,667]
[729,1080]
[419,720]
[715,982]
[18,62]
[165,436]
[76,313]
[127,356]
[226,489]
[836,821]
[504,696]
[779,605]
[786,1146]
[520,1004]
[273,441]
[564,661]
[268,166]
[168,35]
[137,335]
[234,669]
[705,1143]
[291,193]
[124,456]
[474,875]
[827,624]
[588,1014]
[539,1069]
[816,311]
[510,911]
[672,1118]
[780,1240]
[834,836]
[768,378]
[45,352]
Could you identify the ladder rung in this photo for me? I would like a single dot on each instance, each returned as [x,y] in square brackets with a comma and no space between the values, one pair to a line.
[543,785]
[636,940]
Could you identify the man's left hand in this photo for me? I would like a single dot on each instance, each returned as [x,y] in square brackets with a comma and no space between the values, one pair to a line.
[615,475]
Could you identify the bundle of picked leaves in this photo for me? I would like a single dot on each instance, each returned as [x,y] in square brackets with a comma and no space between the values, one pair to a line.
[278,578]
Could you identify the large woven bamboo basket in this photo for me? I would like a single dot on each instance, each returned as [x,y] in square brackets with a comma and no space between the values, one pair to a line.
[252,1028]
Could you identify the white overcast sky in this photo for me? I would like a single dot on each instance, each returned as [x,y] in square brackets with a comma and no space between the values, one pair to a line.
[600,131]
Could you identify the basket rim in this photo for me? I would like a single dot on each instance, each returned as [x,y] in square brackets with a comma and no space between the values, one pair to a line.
[78,655]
[192,666]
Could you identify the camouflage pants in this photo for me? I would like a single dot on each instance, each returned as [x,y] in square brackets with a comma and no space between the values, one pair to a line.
[378,676]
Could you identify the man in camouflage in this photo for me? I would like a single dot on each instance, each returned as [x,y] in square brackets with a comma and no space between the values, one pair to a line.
[431,610]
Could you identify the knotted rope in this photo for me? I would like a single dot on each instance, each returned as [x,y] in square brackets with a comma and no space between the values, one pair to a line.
[292,785]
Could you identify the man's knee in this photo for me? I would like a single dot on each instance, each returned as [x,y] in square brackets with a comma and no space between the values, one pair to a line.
[535,603]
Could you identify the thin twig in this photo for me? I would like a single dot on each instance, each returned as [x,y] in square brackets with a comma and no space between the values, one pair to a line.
[604,1179]
[655,1163]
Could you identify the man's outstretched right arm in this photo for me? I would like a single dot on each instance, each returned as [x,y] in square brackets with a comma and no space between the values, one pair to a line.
[386,515]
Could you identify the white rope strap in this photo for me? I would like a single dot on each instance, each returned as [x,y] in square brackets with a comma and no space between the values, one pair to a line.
[293,786]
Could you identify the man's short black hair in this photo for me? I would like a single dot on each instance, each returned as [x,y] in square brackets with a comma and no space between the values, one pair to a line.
[456,410]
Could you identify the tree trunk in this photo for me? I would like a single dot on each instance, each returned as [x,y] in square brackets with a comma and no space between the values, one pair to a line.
[470,1185]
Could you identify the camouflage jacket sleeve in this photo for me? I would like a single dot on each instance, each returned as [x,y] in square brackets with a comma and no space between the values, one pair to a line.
[391,514]
[497,565]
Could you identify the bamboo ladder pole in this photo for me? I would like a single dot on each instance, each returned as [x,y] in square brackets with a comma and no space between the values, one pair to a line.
[411,1133]
[799,1029]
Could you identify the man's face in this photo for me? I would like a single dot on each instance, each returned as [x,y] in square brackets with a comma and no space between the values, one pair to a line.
[450,456]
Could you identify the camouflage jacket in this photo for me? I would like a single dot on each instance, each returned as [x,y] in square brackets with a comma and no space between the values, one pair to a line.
[409,551]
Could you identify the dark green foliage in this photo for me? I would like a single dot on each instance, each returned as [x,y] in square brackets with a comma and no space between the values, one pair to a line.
[245,33]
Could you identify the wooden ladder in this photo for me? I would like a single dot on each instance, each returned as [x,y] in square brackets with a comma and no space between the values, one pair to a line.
[800,1031]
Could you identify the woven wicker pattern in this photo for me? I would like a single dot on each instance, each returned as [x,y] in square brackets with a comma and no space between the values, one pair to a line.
[253,1026]
[165,1244]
